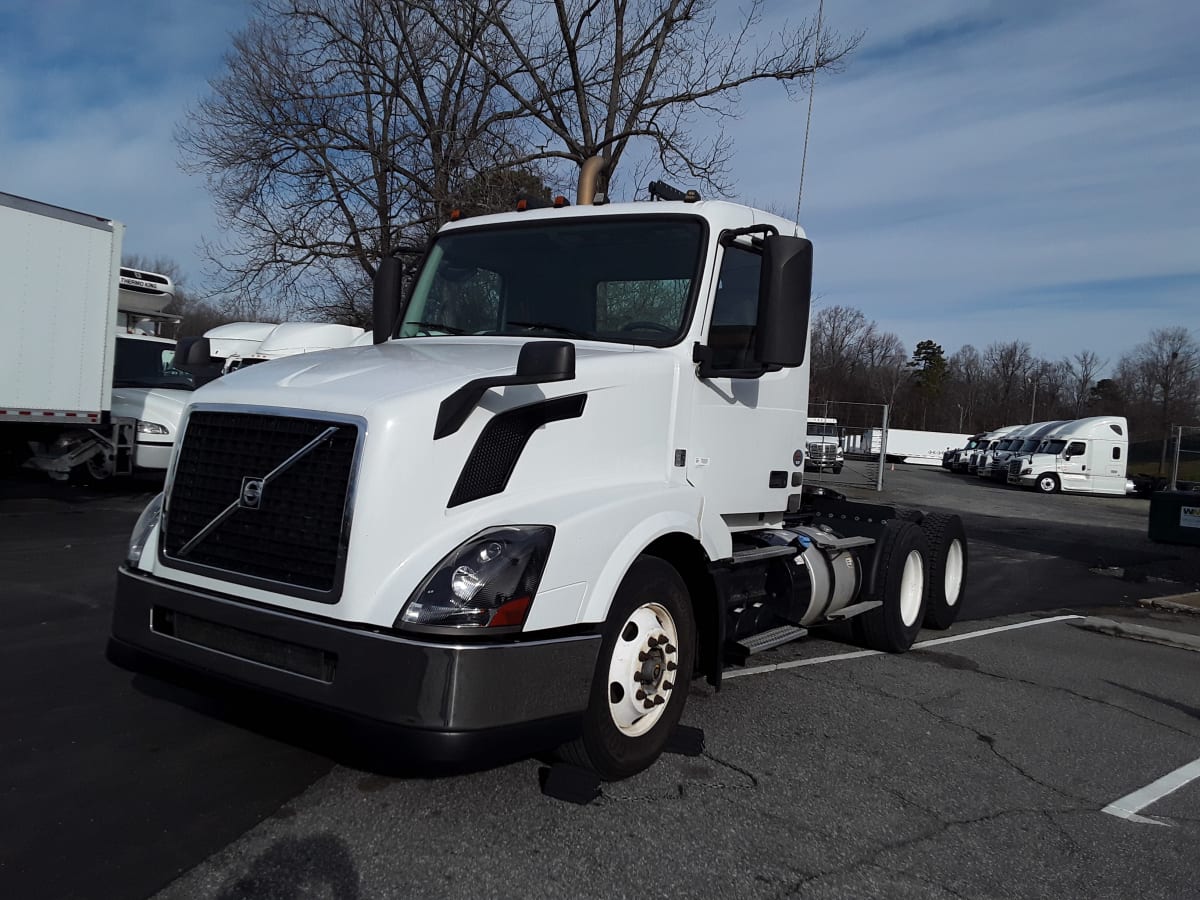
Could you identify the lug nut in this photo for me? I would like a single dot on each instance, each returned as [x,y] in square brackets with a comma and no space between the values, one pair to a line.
[670,648]
[667,685]
[653,642]
[659,701]
[671,667]
[639,677]
[649,704]
[643,656]
[641,695]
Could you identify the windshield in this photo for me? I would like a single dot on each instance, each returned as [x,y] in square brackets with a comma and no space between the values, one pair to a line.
[1054,447]
[628,280]
[823,429]
[147,364]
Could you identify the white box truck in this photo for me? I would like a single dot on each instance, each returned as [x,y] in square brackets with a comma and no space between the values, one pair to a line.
[565,479]
[84,388]
[1085,456]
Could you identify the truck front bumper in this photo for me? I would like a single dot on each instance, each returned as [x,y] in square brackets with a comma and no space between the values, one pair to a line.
[452,699]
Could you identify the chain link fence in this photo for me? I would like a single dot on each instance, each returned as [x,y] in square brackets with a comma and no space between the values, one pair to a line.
[858,429]
[1185,458]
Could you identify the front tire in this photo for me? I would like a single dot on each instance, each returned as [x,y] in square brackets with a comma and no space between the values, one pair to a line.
[1047,483]
[902,587]
[642,673]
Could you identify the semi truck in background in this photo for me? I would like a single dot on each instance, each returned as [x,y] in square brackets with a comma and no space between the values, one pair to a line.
[86,382]
[824,445]
[565,478]
[1086,456]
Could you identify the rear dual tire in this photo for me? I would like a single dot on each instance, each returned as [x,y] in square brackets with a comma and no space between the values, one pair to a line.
[901,588]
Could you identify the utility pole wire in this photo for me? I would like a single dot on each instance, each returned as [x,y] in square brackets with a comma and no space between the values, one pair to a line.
[812,84]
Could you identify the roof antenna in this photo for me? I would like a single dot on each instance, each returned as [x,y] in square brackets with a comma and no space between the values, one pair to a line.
[812,84]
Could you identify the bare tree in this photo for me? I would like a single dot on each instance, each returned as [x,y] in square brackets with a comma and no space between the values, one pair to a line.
[1080,373]
[339,133]
[597,75]
[1162,377]
[1009,363]
[838,333]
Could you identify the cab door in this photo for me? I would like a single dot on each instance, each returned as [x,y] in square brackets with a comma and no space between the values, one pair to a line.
[1073,466]
[748,427]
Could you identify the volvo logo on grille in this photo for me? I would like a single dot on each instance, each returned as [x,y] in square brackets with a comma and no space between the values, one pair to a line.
[252,491]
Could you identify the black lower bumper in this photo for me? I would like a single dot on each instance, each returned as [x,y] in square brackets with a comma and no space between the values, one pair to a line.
[452,700]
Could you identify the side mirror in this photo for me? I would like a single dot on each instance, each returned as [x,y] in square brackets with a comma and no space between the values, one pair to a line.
[194,356]
[192,352]
[784,301]
[385,299]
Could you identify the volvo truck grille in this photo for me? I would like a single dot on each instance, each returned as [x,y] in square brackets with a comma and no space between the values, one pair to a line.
[1014,467]
[264,499]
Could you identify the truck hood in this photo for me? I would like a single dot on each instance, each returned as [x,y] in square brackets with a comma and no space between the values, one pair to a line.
[355,380]
[160,405]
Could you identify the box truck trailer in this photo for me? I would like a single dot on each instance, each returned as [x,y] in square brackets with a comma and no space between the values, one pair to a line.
[566,478]
[86,386]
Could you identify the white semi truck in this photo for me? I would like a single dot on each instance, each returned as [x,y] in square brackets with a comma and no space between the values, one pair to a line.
[1084,456]
[85,384]
[565,479]
[824,445]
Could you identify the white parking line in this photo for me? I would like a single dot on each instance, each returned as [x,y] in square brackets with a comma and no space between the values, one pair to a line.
[859,654]
[1130,805]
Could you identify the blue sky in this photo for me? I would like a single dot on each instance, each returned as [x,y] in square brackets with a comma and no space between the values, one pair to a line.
[981,171]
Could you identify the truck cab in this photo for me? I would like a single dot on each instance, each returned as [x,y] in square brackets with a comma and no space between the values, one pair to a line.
[566,477]
[1084,456]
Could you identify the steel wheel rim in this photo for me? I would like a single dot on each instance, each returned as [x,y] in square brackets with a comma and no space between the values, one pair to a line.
[912,587]
[1046,484]
[953,571]
[638,666]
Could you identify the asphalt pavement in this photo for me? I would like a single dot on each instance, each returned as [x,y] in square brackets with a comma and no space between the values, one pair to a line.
[977,768]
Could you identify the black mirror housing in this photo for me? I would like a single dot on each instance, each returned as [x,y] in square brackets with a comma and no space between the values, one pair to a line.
[385,299]
[784,301]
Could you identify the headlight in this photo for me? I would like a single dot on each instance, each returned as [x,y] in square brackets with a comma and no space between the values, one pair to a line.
[1027,471]
[145,526]
[144,427]
[488,582]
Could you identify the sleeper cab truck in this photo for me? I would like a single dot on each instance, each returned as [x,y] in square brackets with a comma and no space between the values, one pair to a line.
[566,479]
[1085,456]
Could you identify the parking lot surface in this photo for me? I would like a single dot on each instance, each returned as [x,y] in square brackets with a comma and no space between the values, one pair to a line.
[979,767]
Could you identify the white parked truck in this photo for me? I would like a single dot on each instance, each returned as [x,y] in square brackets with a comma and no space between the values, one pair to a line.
[824,445]
[565,480]
[1085,456]
[83,387]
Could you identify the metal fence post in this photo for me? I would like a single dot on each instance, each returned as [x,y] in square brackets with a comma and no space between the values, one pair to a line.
[1174,485]
[882,450]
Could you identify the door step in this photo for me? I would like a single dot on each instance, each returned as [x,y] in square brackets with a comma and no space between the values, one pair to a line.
[765,640]
[856,609]
[754,554]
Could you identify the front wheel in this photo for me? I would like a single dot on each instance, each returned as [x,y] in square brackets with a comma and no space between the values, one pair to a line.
[1047,483]
[642,673]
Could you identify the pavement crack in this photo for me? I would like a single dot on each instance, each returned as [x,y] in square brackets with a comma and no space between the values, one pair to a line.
[871,860]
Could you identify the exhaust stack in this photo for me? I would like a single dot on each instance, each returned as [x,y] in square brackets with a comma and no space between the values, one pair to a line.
[589,177]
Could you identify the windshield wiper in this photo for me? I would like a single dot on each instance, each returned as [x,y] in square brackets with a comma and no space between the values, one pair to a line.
[550,326]
[438,326]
